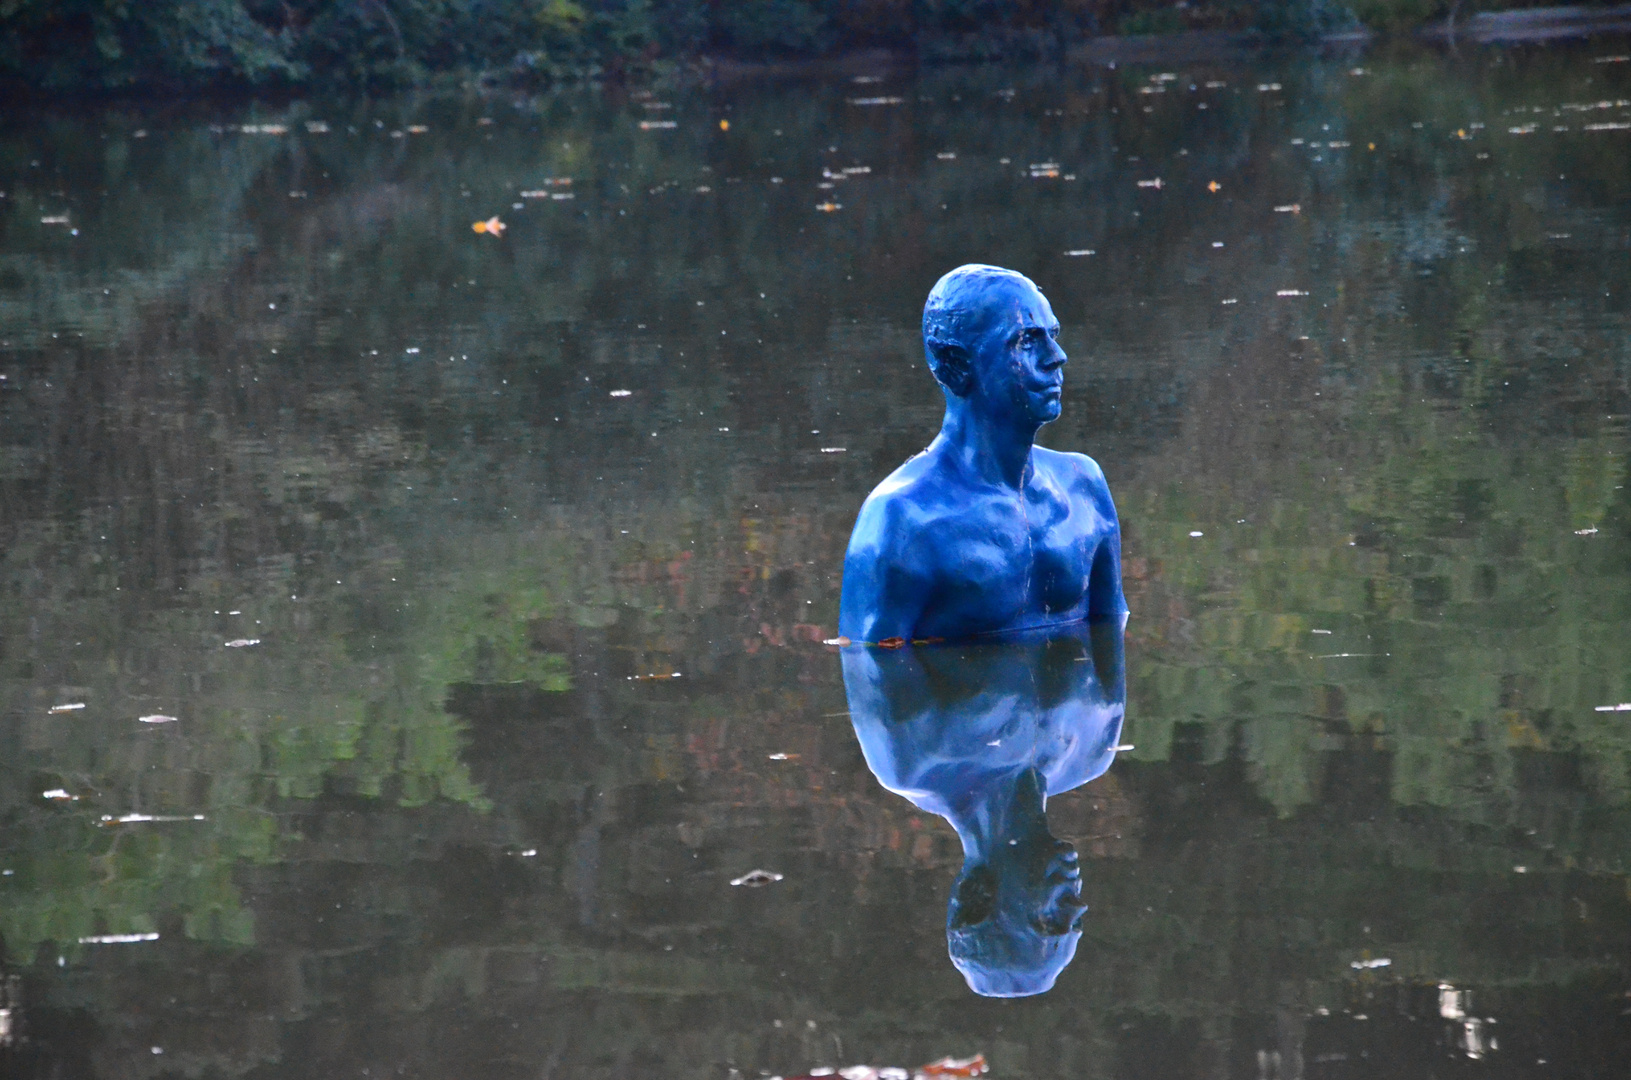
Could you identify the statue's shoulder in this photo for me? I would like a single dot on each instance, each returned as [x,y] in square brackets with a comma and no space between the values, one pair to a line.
[1077,471]
[906,506]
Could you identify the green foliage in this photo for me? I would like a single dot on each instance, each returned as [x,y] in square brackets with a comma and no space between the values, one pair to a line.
[773,26]
[200,44]
[1164,20]
[102,44]
[113,44]
[1302,20]
[1393,15]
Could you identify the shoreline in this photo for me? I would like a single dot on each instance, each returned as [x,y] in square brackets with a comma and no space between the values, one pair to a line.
[1516,27]
[1523,26]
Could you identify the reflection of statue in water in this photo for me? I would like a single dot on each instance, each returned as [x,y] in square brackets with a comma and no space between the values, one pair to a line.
[981,734]
[984,532]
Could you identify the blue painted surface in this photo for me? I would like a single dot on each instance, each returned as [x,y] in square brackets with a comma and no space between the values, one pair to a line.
[981,733]
[984,532]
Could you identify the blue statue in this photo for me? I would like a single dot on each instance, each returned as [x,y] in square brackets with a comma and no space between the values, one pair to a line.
[985,532]
[981,734]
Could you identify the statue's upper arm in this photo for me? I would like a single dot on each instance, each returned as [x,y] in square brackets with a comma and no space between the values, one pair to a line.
[887,572]
[1104,577]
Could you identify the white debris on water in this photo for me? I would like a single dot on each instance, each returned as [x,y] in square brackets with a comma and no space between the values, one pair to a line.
[117,939]
[138,819]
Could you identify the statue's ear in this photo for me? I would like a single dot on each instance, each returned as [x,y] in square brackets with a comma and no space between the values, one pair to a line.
[973,897]
[952,365]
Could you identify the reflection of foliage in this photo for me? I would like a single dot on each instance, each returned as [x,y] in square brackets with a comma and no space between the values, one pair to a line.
[1435,569]
[369,721]
[1594,470]
[74,878]
[491,627]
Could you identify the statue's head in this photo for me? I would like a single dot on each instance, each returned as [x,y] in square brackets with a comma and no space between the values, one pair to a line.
[1015,916]
[990,337]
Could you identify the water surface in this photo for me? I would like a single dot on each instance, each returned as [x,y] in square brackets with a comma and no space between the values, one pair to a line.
[486,578]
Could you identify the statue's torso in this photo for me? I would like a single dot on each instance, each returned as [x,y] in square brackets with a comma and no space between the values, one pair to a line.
[1003,564]
[986,560]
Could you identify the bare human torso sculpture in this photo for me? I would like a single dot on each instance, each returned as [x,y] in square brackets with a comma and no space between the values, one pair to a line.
[985,532]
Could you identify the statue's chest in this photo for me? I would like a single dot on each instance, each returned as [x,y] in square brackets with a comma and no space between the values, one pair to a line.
[1063,537]
[1031,559]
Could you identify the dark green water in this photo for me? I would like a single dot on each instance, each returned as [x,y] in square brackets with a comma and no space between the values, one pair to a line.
[471,804]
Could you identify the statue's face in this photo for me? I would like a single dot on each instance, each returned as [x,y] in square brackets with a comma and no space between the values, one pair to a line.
[1020,366]
[1013,924]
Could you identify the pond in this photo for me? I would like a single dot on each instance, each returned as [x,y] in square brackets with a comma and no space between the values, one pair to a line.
[410,632]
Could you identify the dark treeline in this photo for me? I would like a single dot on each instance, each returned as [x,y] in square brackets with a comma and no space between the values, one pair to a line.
[166,45]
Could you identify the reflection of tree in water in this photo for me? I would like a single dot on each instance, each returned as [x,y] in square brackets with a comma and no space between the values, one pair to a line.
[1424,504]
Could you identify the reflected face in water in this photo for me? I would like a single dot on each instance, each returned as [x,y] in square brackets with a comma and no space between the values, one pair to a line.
[1013,921]
[981,735]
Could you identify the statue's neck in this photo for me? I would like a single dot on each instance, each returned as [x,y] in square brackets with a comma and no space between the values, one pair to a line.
[994,454]
[1010,810]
